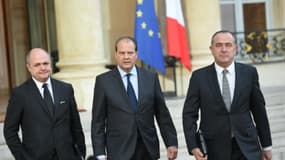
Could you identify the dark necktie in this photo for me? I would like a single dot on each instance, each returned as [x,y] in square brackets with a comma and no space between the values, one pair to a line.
[131,93]
[226,90]
[48,99]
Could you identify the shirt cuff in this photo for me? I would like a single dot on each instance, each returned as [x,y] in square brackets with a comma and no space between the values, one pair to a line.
[269,148]
[101,157]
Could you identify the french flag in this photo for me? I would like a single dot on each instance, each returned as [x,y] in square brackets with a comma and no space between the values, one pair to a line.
[177,44]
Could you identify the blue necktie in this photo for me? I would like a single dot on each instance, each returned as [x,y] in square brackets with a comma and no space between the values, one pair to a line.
[131,93]
[48,99]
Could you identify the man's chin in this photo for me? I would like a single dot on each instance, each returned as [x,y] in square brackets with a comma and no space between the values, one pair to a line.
[42,79]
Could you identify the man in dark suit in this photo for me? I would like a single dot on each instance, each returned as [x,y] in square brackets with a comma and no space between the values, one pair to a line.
[51,130]
[123,129]
[233,117]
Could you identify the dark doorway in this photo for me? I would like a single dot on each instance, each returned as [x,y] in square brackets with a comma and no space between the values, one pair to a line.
[254,17]
[256,36]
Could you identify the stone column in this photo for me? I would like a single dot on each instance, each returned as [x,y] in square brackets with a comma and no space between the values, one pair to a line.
[278,14]
[281,8]
[203,19]
[80,46]
[4,85]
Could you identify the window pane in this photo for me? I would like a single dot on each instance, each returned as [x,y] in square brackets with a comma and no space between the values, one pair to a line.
[228,17]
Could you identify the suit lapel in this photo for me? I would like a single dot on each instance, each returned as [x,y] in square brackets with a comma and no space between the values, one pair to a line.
[213,81]
[238,83]
[214,84]
[38,97]
[141,80]
[121,88]
[56,95]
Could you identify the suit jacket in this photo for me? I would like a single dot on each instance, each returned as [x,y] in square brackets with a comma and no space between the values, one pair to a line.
[217,123]
[115,125]
[42,132]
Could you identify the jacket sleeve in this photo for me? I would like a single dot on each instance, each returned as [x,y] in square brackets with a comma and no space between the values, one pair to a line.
[190,112]
[163,117]
[76,127]
[12,123]
[259,112]
[98,119]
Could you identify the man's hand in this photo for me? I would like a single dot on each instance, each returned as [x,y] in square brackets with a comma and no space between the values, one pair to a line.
[198,154]
[266,155]
[172,152]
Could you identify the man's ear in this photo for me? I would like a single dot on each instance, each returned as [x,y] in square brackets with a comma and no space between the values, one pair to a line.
[28,66]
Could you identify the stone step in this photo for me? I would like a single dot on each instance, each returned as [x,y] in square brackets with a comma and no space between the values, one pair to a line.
[4,150]
[278,155]
[276,112]
[274,98]
[276,109]
[85,118]
[2,139]
[5,153]
[278,140]
[277,125]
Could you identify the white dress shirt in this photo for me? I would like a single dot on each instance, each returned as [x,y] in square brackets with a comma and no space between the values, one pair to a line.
[133,78]
[231,76]
[41,89]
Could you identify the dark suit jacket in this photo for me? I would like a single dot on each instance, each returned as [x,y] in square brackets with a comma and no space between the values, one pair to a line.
[216,122]
[41,132]
[115,123]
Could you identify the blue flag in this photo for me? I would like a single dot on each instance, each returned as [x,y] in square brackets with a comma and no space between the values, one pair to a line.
[148,36]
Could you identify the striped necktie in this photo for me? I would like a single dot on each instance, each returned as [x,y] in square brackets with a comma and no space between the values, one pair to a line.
[226,90]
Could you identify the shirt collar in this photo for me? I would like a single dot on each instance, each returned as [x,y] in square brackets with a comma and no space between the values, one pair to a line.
[40,84]
[230,68]
[123,73]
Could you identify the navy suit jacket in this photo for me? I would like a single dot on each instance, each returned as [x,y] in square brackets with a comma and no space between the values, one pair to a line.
[115,125]
[247,118]
[42,132]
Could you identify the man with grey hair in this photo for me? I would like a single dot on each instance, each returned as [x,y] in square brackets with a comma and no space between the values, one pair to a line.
[46,111]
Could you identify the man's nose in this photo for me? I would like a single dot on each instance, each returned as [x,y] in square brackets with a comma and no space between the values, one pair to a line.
[224,47]
[42,66]
[126,55]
